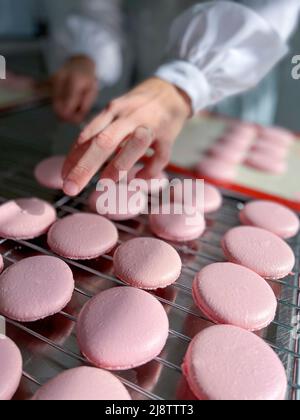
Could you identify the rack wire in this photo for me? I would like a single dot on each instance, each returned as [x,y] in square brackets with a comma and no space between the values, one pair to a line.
[49,347]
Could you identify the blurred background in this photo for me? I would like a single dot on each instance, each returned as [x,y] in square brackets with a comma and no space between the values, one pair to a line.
[28,29]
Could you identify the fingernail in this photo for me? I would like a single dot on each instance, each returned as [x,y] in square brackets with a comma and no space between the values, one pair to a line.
[71,188]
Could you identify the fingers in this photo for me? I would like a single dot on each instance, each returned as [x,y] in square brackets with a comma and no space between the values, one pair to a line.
[135,148]
[96,154]
[74,96]
[87,102]
[158,162]
[98,124]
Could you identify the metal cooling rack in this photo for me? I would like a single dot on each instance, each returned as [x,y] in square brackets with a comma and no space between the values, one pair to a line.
[49,346]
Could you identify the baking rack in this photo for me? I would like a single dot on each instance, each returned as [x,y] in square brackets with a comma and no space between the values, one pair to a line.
[49,347]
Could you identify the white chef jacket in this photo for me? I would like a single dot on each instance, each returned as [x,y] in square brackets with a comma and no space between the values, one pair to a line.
[217,49]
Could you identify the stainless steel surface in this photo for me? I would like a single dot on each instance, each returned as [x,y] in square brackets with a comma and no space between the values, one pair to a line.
[49,347]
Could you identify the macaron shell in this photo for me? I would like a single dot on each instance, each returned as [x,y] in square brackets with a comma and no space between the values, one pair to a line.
[147,263]
[122,210]
[267,147]
[278,135]
[122,328]
[212,199]
[217,169]
[10,368]
[259,250]
[25,218]
[177,227]
[35,288]
[82,236]
[251,371]
[271,216]
[49,172]
[264,163]
[234,295]
[161,180]
[228,153]
[83,384]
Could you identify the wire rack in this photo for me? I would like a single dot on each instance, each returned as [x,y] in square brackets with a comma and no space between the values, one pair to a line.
[49,347]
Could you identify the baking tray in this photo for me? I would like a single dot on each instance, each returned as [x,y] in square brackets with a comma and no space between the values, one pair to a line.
[49,347]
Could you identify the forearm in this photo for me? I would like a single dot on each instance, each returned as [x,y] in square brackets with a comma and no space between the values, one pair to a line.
[92,30]
[221,48]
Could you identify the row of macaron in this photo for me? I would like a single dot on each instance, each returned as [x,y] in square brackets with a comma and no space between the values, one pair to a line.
[134,249]
[263,149]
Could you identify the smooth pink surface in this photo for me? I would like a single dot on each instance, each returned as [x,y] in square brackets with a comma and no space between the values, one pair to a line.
[228,153]
[35,288]
[10,368]
[278,135]
[231,294]
[83,384]
[122,328]
[82,236]
[122,209]
[147,263]
[49,172]
[268,148]
[212,197]
[244,130]
[177,227]
[152,188]
[217,169]
[228,363]
[271,216]
[260,251]
[242,143]
[265,163]
[25,218]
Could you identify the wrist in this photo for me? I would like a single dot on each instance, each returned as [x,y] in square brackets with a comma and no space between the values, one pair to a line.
[82,63]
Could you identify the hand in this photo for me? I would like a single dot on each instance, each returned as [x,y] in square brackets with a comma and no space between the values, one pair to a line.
[75,89]
[151,115]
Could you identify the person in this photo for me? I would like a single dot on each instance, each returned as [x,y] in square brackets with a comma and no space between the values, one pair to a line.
[217,49]
[83,49]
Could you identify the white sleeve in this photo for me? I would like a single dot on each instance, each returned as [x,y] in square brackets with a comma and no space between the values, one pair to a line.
[93,28]
[221,48]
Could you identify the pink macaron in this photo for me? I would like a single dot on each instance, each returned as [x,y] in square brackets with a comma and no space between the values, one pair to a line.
[268,148]
[278,135]
[152,186]
[209,200]
[122,328]
[259,250]
[119,204]
[83,384]
[10,368]
[35,288]
[217,169]
[185,226]
[49,172]
[234,295]
[263,162]
[234,140]
[25,218]
[82,236]
[147,263]
[271,216]
[227,153]
[226,363]
[244,130]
